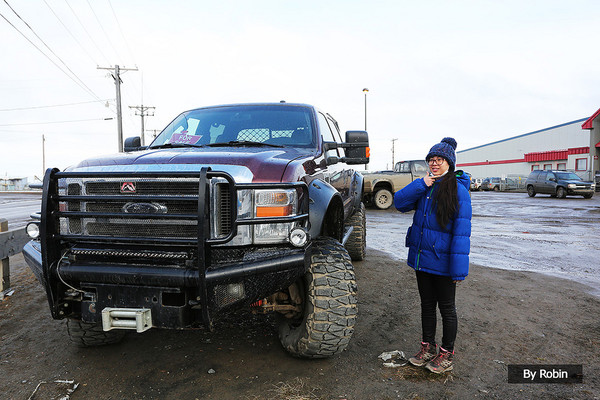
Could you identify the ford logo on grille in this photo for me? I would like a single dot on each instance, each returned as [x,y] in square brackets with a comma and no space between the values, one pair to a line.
[144,208]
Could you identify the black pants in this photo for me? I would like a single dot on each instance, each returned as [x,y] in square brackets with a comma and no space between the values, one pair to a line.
[437,291]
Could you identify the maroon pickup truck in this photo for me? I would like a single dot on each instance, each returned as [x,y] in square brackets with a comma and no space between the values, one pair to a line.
[250,206]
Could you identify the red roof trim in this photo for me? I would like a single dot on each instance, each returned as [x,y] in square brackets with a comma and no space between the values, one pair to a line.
[552,155]
[588,124]
[518,160]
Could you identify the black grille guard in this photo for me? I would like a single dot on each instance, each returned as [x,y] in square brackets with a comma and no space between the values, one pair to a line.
[54,245]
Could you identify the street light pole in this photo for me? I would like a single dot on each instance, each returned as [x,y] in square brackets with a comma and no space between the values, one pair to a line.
[365,91]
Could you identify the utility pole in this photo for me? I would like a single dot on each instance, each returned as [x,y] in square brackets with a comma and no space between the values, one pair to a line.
[117,77]
[393,162]
[154,132]
[143,112]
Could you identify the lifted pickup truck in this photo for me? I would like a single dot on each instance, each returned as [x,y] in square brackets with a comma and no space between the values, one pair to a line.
[243,206]
[380,186]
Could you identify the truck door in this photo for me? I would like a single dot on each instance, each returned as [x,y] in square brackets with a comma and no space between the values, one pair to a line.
[403,175]
[338,175]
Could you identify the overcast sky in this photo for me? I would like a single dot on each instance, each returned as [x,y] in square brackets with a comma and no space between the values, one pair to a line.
[479,71]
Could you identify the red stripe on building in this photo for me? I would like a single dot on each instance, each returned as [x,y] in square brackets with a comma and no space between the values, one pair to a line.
[552,155]
[579,150]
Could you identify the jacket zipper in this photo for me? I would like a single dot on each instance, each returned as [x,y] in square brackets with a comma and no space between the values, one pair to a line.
[424,216]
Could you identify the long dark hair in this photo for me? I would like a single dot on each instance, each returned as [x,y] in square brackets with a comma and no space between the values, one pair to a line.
[445,199]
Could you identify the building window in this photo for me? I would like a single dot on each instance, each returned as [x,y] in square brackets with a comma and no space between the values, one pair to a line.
[561,166]
[581,164]
[535,167]
[547,166]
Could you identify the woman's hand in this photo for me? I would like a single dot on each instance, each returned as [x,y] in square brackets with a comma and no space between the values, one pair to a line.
[429,179]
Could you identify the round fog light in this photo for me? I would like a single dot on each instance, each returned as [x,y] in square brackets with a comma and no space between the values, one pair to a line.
[298,237]
[33,230]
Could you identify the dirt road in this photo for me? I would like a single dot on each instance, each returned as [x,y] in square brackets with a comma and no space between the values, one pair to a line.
[504,317]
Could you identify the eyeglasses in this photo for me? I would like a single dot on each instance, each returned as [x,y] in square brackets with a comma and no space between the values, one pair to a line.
[436,161]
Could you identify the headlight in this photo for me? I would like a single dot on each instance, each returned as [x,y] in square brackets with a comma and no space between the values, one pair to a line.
[571,186]
[33,230]
[274,203]
[245,211]
[264,203]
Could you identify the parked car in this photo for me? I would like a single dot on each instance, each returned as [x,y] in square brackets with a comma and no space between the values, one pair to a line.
[476,183]
[491,184]
[558,184]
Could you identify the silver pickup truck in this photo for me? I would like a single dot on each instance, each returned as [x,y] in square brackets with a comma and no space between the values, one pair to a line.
[379,187]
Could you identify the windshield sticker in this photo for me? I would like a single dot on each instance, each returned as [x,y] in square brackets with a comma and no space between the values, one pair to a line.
[184,138]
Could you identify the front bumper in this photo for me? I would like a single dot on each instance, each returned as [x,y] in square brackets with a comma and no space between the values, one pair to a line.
[170,293]
[580,192]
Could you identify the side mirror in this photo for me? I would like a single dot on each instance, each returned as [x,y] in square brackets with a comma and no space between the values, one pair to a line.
[133,144]
[356,147]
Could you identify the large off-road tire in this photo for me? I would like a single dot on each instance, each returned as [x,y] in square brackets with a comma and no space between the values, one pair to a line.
[357,242]
[329,304]
[86,334]
[383,199]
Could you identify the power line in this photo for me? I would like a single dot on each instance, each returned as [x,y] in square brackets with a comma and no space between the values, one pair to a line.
[121,30]
[58,122]
[74,78]
[54,105]
[105,34]
[71,33]
[87,33]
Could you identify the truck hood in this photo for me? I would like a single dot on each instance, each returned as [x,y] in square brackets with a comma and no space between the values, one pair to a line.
[245,164]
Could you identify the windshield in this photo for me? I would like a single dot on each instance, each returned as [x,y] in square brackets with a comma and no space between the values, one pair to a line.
[567,176]
[275,125]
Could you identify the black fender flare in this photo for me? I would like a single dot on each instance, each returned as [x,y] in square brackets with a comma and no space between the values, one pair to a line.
[324,199]
[357,190]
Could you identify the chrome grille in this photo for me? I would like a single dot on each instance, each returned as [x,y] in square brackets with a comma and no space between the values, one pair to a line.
[171,218]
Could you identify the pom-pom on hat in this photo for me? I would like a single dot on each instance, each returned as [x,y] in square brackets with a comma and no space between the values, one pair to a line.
[446,149]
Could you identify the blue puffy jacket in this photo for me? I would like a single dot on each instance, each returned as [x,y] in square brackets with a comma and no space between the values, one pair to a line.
[431,248]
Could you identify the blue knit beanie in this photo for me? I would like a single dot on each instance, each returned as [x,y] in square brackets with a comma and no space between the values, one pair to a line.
[444,149]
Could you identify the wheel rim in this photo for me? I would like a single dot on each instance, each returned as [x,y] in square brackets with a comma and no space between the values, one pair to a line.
[383,199]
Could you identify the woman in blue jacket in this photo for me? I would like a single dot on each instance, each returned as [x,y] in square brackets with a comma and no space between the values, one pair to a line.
[439,245]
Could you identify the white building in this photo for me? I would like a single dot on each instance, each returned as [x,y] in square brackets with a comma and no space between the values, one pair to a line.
[570,146]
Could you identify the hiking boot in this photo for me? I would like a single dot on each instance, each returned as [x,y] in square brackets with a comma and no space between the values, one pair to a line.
[442,362]
[426,354]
